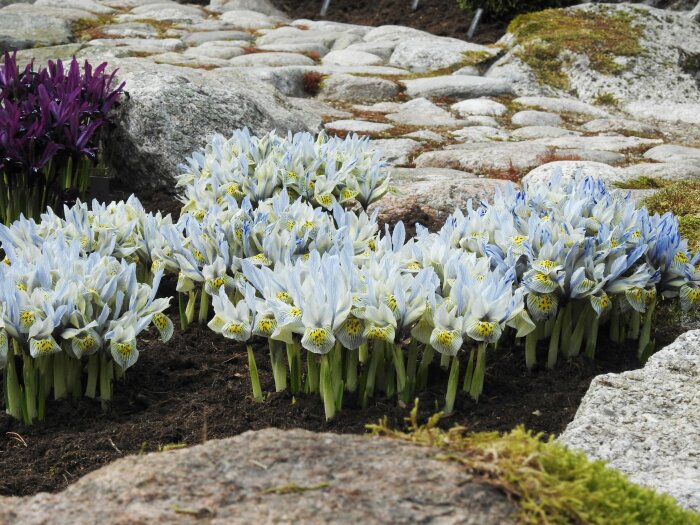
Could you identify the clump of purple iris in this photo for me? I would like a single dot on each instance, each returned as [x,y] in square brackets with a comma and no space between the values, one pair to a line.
[49,131]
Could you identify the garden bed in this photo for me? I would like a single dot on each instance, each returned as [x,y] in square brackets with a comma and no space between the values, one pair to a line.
[439,17]
[196,387]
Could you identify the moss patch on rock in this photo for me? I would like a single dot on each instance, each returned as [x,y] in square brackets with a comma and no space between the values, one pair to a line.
[550,483]
[474,58]
[600,35]
[85,29]
[683,199]
[643,183]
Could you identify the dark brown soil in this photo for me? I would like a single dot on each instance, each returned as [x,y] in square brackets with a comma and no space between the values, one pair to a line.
[196,387]
[440,17]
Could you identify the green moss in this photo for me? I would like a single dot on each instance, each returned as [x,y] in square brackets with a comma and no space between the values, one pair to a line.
[601,35]
[643,183]
[550,483]
[606,99]
[689,226]
[161,26]
[683,199]
[473,58]
[90,28]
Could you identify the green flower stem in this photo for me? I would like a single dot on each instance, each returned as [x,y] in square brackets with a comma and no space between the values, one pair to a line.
[444,361]
[592,337]
[93,373]
[401,379]
[615,323]
[368,392]
[191,303]
[44,365]
[548,328]
[411,369]
[106,377]
[577,336]
[477,385]
[428,354]
[203,308]
[182,306]
[336,362]
[645,335]
[554,339]
[635,324]
[469,372]
[294,360]
[390,378]
[380,371]
[312,373]
[452,386]
[30,388]
[60,390]
[13,390]
[352,361]
[75,373]
[254,377]
[279,370]
[531,347]
[566,330]
[327,393]
[363,353]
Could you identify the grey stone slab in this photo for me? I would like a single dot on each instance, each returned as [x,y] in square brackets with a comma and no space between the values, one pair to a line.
[234,480]
[340,86]
[646,423]
[459,86]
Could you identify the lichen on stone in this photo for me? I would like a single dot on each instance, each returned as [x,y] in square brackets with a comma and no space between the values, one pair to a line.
[546,37]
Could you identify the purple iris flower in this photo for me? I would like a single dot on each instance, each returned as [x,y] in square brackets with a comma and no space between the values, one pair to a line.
[52,114]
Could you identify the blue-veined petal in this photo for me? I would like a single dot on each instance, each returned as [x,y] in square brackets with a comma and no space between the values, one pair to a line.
[542,306]
[350,333]
[486,331]
[124,352]
[540,282]
[690,297]
[374,332]
[264,326]
[43,346]
[4,347]
[635,297]
[164,326]
[601,303]
[319,339]
[447,342]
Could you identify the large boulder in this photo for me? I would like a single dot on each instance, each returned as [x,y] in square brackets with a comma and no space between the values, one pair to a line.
[30,28]
[421,54]
[273,476]
[646,422]
[170,112]
[660,64]
[427,196]
[459,86]
[340,86]
[486,157]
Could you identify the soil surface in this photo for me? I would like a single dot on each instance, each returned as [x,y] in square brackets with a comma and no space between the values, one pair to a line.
[196,388]
[440,17]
